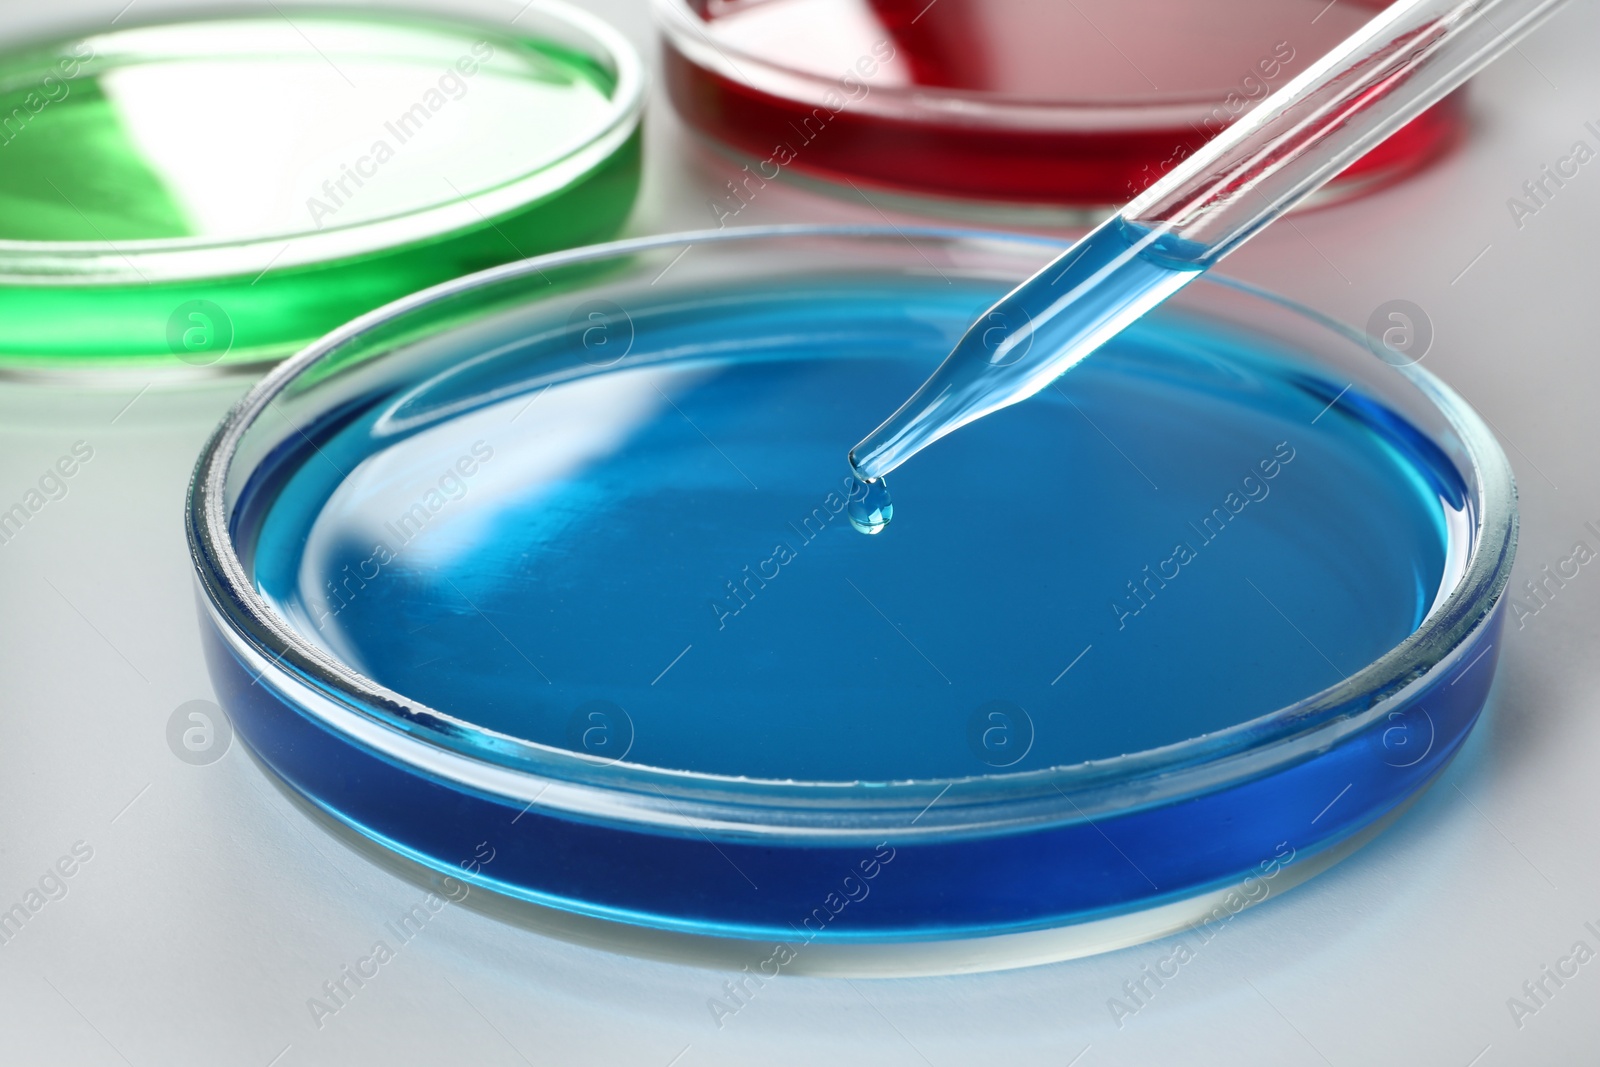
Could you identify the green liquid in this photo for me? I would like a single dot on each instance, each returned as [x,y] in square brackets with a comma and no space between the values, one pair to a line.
[271,133]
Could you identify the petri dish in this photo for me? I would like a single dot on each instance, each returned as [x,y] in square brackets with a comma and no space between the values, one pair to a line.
[550,564]
[217,190]
[1001,103]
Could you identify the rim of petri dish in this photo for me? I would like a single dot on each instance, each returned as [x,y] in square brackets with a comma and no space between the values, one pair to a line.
[188,259]
[472,758]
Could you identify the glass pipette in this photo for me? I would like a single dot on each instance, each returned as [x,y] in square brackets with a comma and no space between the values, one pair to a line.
[1404,60]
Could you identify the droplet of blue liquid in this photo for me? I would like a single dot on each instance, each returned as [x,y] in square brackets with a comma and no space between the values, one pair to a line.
[870,508]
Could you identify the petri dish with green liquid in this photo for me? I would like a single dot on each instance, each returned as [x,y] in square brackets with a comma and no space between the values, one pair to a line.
[216,191]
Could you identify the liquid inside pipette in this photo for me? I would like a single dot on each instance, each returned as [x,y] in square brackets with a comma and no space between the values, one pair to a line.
[1024,342]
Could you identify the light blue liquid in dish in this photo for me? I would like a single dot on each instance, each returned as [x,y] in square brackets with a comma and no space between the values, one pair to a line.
[655,560]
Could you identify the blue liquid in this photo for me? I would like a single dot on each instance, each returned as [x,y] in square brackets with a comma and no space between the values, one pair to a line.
[870,509]
[1033,335]
[668,545]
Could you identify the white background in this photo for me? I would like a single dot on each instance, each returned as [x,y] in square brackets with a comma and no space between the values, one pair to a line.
[213,908]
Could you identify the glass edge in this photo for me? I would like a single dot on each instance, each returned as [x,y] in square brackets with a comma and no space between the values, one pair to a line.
[1245,750]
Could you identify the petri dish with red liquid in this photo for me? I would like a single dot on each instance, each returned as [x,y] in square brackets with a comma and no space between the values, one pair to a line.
[1039,103]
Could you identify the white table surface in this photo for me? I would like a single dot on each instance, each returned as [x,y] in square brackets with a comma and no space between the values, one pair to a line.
[212,907]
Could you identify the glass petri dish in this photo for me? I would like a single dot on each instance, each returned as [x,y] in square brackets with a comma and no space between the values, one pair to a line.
[540,578]
[1004,103]
[213,190]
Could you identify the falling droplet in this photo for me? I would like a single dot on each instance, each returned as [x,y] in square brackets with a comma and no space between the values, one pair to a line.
[870,508]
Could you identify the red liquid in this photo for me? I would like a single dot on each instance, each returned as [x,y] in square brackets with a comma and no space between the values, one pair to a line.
[1034,101]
